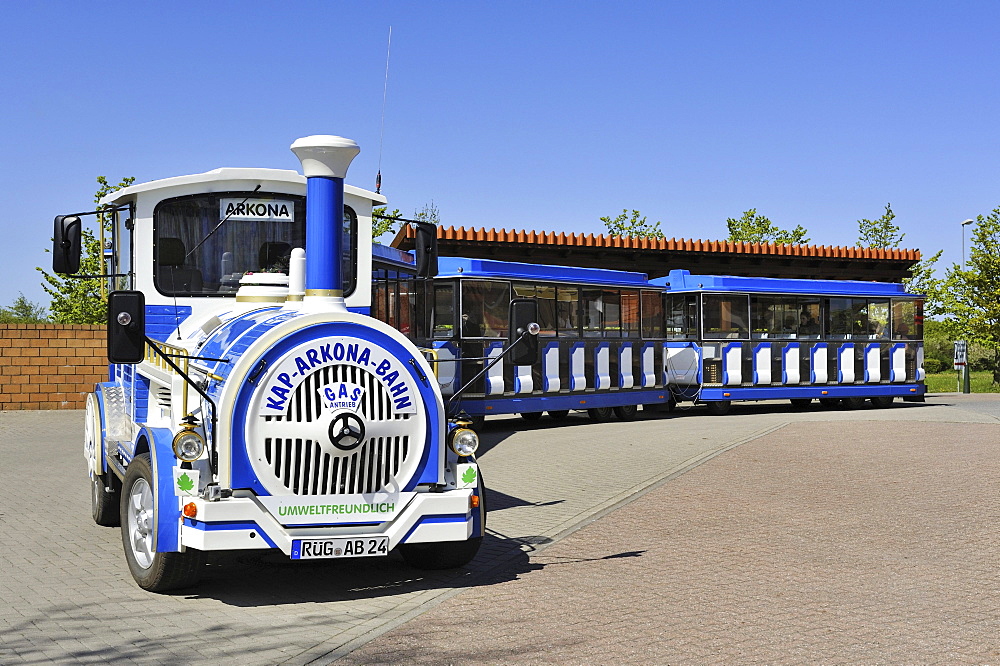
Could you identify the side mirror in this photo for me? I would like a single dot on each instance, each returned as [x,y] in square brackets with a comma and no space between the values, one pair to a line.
[126,327]
[66,244]
[523,315]
[426,249]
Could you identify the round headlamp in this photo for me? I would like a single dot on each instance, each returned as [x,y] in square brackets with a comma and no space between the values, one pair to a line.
[464,441]
[188,445]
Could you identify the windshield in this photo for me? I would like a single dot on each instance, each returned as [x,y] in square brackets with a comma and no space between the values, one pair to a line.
[195,256]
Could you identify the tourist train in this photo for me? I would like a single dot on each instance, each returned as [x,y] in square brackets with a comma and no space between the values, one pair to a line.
[279,381]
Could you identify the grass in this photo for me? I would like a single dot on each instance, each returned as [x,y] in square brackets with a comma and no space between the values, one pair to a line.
[947,382]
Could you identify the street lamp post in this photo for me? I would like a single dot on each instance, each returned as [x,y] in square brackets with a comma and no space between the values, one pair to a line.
[964,225]
[966,381]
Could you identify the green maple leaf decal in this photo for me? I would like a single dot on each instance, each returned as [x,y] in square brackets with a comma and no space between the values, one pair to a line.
[185,483]
[469,476]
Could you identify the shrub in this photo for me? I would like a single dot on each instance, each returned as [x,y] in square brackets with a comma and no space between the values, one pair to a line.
[933,365]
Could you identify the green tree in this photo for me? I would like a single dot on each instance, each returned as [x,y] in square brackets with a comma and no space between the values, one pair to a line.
[82,300]
[386,223]
[429,213]
[633,225]
[879,233]
[971,296]
[23,311]
[754,228]
[923,281]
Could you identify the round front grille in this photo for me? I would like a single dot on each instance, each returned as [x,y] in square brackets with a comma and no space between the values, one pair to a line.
[318,448]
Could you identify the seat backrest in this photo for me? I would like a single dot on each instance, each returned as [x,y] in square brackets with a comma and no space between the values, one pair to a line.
[274,252]
[176,278]
[170,252]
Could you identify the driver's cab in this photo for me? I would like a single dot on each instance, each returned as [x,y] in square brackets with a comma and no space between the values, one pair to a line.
[190,243]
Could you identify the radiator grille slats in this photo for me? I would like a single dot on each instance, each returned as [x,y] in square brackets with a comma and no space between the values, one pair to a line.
[311,465]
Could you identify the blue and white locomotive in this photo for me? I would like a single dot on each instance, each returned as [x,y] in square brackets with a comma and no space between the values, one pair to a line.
[250,404]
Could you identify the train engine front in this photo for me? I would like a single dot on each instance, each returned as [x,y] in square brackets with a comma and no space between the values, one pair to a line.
[255,409]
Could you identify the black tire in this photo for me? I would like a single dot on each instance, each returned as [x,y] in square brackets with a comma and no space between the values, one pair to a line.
[600,414]
[105,495]
[719,407]
[854,402]
[156,572]
[800,403]
[626,412]
[445,554]
[882,401]
[831,403]
[104,503]
[558,414]
[531,416]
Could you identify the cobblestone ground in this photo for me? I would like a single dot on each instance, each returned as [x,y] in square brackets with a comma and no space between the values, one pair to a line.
[855,543]
[764,536]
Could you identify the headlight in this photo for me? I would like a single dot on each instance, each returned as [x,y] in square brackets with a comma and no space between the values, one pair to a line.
[464,441]
[188,445]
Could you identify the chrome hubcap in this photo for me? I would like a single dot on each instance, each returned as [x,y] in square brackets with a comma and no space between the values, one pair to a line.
[140,522]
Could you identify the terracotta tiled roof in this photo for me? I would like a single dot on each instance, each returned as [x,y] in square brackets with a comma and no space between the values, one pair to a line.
[550,238]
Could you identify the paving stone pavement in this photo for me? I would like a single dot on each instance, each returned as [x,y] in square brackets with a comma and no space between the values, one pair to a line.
[855,542]
[642,575]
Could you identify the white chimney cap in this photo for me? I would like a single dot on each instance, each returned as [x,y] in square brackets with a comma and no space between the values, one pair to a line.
[325,155]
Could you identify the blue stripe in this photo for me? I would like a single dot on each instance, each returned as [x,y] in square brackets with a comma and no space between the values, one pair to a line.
[832,391]
[430,520]
[558,401]
[227,526]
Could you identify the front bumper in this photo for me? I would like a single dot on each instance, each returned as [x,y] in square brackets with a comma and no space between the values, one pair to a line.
[242,523]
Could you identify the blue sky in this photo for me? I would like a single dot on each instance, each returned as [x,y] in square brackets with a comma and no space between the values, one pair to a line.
[519,114]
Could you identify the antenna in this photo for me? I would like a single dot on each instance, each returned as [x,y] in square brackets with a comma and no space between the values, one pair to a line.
[381,131]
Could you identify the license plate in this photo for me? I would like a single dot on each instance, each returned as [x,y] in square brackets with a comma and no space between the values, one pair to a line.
[312,549]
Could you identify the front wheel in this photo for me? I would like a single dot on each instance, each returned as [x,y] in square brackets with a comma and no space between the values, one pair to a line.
[531,416]
[558,414]
[153,571]
[800,403]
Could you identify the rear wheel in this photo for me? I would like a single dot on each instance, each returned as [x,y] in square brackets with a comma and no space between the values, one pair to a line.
[600,414]
[830,403]
[800,403]
[558,414]
[719,407]
[854,402]
[882,401]
[105,490]
[531,416]
[105,497]
[626,412]
[445,554]
[153,571]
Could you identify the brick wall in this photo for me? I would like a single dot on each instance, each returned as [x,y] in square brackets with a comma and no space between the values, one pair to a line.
[50,366]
